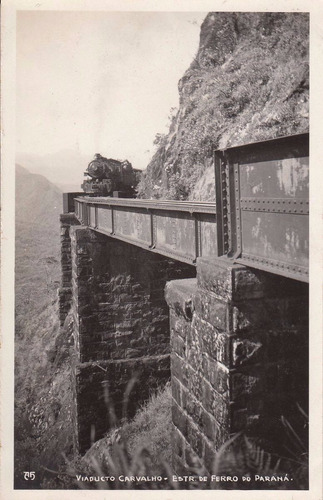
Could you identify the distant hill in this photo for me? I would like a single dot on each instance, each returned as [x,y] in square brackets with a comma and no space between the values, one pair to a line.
[64,168]
[37,271]
[38,201]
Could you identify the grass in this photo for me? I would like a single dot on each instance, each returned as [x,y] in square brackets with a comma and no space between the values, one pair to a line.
[140,447]
[152,428]
[244,456]
[143,447]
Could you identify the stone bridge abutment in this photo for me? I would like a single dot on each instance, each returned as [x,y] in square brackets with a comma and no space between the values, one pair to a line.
[239,357]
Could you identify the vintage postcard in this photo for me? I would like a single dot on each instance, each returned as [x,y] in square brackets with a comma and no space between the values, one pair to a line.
[161,249]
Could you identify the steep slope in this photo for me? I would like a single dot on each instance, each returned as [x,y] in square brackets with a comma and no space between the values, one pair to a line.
[249,81]
[38,205]
[42,381]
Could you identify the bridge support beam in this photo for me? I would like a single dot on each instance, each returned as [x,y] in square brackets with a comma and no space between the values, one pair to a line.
[239,357]
[120,329]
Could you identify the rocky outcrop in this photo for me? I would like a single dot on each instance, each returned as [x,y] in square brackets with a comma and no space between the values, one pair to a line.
[249,81]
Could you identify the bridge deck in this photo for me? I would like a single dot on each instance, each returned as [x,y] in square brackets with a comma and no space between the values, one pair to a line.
[180,230]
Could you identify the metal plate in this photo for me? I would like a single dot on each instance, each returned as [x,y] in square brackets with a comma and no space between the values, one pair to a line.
[131,224]
[175,233]
[288,178]
[208,237]
[92,216]
[104,219]
[77,209]
[275,236]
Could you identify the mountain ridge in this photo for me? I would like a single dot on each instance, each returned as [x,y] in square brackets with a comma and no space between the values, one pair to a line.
[38,201]
[64,167]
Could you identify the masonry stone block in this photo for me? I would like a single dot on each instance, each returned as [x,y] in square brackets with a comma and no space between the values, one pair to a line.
[212,310]
[217,374]
[208,457]
[178,443]
[176,390]
[179,368]
[194,437]
[193,408]
[179,418]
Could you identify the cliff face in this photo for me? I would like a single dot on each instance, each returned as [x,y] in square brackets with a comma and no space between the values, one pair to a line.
[249,81]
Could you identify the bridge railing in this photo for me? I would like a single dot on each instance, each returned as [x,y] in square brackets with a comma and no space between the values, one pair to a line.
[180,230]
[262,203]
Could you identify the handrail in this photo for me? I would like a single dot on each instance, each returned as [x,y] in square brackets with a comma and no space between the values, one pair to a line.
[172,205]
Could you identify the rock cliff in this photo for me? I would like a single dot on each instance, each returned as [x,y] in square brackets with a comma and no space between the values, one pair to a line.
[249,81]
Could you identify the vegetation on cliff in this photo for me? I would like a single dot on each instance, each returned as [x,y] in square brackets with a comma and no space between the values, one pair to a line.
[249,81]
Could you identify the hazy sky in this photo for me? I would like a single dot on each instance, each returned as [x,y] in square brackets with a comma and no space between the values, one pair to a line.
[100,82]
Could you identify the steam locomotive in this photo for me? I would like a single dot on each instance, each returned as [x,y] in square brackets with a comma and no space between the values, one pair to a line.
[110,177]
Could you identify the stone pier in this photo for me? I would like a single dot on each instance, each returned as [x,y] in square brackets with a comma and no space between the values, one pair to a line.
[120,325]
[239,357]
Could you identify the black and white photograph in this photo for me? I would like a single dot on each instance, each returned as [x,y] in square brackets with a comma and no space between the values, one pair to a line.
[161,319]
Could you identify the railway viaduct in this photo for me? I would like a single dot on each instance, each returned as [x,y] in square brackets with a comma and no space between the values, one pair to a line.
[211,296]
